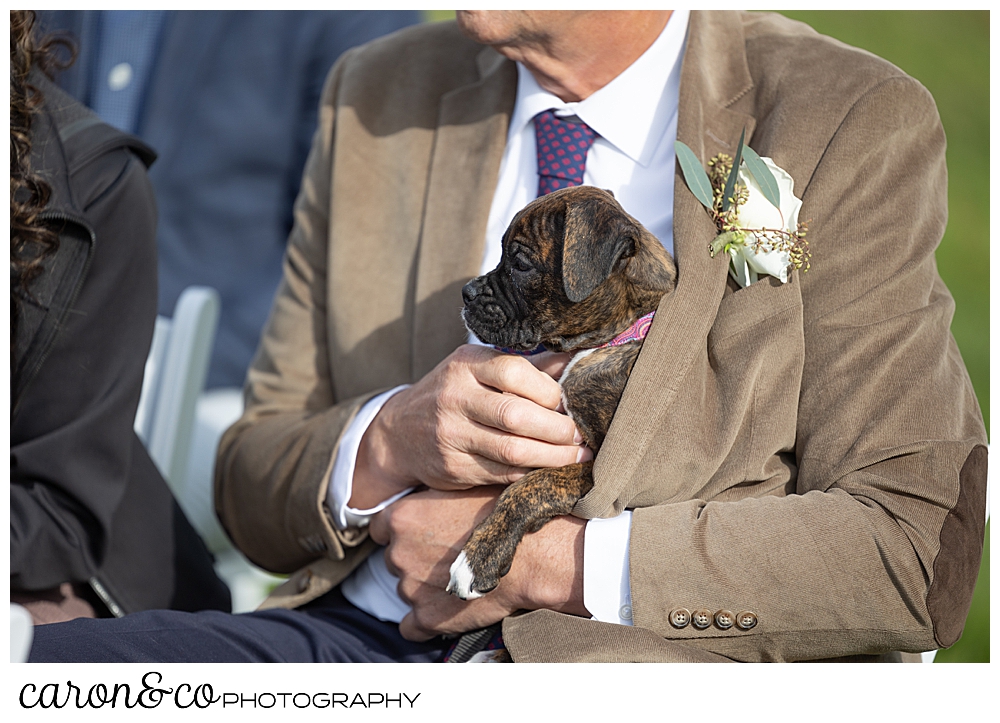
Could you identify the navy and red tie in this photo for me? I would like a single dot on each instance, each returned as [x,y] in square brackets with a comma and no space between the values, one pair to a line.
[562,145]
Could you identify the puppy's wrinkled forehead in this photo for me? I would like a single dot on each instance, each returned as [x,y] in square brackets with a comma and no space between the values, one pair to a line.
[580,232]
[540,226]
[542,223]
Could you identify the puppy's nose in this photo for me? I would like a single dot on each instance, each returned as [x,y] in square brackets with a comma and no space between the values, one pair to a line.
[471,290]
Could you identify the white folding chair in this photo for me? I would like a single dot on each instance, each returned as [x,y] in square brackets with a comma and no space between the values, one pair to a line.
[181,425]
[21,632]
[215,411]
[175,375]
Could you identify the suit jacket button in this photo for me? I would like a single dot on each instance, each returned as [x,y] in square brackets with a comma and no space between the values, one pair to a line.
[701,619]
[724,619]
[680,618]
[746,620]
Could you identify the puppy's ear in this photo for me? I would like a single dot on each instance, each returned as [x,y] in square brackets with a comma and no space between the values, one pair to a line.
[598,236]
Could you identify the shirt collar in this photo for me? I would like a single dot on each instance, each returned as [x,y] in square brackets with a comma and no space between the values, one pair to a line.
[635,106]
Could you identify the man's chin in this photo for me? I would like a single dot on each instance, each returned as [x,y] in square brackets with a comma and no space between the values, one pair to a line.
[489,27]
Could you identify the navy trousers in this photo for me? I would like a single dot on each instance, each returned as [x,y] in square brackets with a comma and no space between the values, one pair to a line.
[327,630]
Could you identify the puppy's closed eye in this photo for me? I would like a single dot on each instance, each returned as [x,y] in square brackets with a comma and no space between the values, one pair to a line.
[521,262]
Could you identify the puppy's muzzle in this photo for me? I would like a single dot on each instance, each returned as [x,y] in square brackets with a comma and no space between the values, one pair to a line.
[484,314]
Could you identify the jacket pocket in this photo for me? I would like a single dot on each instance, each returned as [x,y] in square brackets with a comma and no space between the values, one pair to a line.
[754,305]
[729,432]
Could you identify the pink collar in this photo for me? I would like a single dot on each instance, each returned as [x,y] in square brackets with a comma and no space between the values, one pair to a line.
[636,332]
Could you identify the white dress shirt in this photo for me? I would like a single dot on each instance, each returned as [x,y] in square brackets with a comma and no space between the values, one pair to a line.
[635,116]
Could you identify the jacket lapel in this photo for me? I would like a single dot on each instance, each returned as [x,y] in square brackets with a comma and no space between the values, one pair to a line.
[465,165]
[714,75]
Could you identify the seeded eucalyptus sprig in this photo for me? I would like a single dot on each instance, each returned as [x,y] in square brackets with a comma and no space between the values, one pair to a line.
[723,194]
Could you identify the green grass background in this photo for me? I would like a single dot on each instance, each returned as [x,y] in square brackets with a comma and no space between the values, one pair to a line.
[949,52]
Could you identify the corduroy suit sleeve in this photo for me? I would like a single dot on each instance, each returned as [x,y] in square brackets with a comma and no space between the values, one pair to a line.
[878,547]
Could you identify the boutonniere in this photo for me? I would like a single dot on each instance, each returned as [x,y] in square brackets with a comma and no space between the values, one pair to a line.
[751,202]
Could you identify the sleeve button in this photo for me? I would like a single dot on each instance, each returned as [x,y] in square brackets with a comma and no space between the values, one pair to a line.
[625,612]
[724,620]
[746,620]
[701,619]
[680,618]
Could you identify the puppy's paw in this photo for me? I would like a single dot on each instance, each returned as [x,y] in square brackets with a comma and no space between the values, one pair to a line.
[478,569]
[462,579]
[492,656]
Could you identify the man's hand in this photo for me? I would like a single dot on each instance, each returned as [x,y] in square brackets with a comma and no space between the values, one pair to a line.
[480,417]
[424,533]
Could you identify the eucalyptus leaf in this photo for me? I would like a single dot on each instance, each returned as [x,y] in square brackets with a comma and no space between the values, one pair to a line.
[763,175]
[694,174]
[733,174]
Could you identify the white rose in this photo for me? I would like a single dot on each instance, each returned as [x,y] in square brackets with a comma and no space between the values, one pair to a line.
[758,213]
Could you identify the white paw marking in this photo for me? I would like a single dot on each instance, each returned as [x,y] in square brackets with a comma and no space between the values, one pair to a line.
[462,579]
[485,656]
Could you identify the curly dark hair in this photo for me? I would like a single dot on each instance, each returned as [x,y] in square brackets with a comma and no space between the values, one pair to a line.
[31,241]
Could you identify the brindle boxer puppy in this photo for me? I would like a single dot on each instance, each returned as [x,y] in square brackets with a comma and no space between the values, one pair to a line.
[576,272]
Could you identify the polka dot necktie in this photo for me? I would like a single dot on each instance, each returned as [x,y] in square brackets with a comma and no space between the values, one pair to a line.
[562,146]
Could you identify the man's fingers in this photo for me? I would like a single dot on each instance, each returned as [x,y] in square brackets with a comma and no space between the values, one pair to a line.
[518,376]
[409,629]
[432,609]
[552,363]
[522,453]
[439,612]
[481,411]
[378,526]
[521,417]
[497,472]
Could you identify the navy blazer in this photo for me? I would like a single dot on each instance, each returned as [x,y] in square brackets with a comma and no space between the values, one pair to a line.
[230,109]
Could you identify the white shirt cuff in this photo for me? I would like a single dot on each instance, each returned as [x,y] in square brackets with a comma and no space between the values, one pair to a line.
[342,477]
[606,590]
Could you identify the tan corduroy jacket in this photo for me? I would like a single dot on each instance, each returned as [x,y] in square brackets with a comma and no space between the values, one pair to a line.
[811,453]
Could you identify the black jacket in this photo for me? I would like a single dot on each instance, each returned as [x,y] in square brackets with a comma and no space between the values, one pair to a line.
[86,502]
